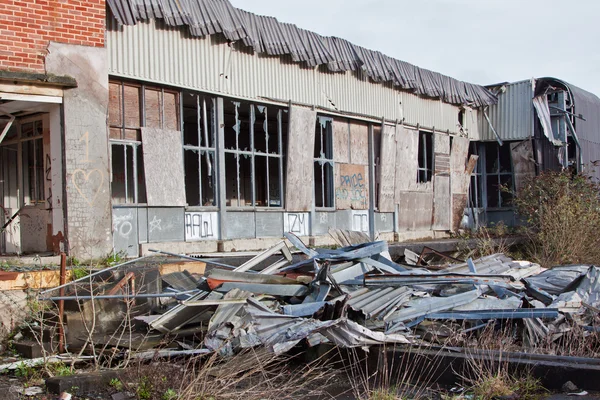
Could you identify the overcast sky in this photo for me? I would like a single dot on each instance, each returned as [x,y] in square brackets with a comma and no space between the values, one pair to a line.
[478,41]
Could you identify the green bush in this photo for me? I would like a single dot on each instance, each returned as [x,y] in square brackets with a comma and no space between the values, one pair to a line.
[562,215]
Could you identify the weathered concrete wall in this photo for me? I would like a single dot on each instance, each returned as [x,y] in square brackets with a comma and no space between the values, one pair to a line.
[89,225]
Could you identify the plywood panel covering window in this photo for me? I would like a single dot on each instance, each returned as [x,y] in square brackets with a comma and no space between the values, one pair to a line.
[132,106]
[255,136]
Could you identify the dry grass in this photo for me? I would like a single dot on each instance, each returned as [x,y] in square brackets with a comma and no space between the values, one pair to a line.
[403,372]
[253,374]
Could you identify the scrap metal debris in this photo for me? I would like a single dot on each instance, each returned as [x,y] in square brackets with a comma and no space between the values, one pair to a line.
[353,296]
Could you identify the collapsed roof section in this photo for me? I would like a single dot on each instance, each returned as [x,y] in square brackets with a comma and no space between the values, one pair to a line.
[268,36]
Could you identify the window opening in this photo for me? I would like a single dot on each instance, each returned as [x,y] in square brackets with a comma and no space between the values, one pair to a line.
[425,156]
[499,175]
[476,180]
[323,162]
[254,142]
[199,149]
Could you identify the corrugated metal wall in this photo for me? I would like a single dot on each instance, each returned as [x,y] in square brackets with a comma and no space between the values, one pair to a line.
[512,117]
[153,52]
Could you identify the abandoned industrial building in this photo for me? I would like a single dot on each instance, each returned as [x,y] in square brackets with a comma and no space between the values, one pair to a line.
[195,126]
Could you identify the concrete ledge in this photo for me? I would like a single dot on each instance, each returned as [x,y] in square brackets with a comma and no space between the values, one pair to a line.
[80,383]
[32,77]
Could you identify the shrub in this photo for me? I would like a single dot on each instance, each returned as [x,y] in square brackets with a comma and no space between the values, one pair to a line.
[562,215]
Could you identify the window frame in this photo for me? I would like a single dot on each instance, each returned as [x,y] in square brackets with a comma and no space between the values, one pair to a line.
[253,154]
[206,125]
[324,125]
[425,157]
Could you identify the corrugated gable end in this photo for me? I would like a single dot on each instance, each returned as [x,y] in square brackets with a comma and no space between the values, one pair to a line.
[265,34]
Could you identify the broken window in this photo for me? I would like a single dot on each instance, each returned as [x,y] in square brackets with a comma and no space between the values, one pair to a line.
[425,155]
[199,149]
[323,166]
[255,136]
[475,199]
[498,175]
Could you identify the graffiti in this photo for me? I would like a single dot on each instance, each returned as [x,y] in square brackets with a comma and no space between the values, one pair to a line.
[200,225]
[88,184]
[122,225]
[324,218]
[86,137]
[360,221]
[155,224]
[296,223]
[352,188]
[49,180]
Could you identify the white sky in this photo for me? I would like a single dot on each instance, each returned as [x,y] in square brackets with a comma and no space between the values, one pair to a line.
[478,41]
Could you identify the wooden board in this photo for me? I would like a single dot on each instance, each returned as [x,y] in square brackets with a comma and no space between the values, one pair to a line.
[458,161]
[441,143]
[163,167]
[523,162]
[299,172]
[359,143]
[441,203]
[415,209]
[341,144]
[407,164]
[387,169]
[351,187]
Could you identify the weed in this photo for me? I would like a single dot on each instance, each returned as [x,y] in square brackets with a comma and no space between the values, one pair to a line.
[562,212]
[169,394]
[116,384]
[59,369]
[144,389]
[113,259]
[24,371]
[4,266]
[79,272]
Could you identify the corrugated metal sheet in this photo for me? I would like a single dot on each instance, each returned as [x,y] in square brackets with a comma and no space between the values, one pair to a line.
[512,117]
[588,105]
[268,36]
[152,51]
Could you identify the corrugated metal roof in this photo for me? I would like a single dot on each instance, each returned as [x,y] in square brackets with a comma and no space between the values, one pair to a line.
[153,52]
[512,117]
[267,35]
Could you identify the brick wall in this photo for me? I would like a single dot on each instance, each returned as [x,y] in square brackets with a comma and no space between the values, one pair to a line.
[26,28]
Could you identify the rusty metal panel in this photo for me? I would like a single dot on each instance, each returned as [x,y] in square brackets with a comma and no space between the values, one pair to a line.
[513,116]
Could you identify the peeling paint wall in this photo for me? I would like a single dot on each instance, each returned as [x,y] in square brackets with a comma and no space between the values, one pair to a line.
[86,147]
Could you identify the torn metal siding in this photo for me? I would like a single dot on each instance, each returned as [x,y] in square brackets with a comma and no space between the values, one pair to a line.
[512,117]
[147,52]
[588,105]
[267,35]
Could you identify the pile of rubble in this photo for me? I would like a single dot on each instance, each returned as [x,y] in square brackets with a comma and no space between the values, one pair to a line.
[354,296]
